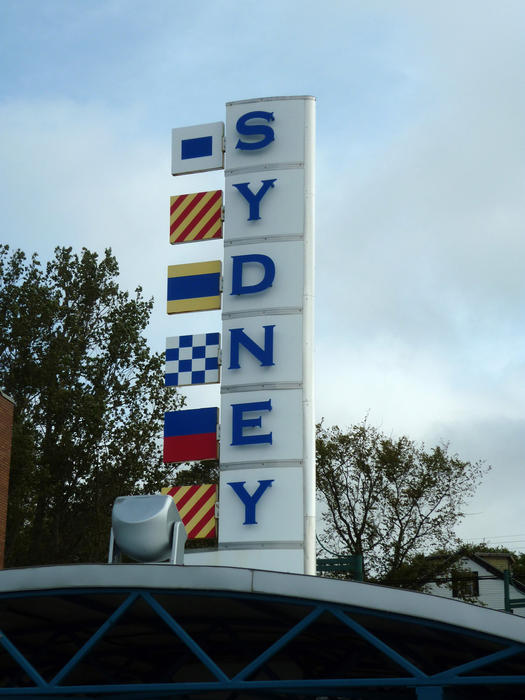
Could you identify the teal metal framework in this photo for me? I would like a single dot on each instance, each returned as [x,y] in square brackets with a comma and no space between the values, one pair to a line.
[352,564]
[194,644]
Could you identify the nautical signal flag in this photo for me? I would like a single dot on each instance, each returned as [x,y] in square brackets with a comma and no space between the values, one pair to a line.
[196,217]
[194,287]
[192,359]
[191,435]
[195,149]
[196,506]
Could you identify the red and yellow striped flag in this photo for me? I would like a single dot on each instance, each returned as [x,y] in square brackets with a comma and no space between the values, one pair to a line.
[196,506]
[196,217]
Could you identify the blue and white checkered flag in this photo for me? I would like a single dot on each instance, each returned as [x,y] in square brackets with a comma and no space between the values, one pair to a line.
[192,359]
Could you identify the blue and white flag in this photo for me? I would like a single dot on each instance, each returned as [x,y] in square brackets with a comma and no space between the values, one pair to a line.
[195,149]
[192,359]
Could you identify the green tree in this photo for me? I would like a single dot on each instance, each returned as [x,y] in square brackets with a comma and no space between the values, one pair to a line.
[197,473]
[89,402]
[390,500]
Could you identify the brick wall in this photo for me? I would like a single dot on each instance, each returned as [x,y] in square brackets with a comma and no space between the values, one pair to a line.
[6,429]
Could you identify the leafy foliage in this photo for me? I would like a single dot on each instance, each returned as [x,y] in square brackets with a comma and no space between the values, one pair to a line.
[518,568]
[197,473]
[390,500]
[89,400]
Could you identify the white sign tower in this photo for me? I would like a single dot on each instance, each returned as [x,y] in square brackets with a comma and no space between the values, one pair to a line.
[267,427]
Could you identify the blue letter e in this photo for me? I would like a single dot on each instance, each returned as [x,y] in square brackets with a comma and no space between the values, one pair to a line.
[239,423]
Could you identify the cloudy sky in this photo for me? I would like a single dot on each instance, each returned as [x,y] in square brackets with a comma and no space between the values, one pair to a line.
[420,188]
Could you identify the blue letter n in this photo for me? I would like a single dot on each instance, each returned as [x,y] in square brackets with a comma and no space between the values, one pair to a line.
[264,355]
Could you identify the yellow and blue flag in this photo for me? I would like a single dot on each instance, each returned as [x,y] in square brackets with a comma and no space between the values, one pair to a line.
[194,287]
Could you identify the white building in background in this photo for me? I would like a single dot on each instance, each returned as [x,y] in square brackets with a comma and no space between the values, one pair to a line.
[482,580]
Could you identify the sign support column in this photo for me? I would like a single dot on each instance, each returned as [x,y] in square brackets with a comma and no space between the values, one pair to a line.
[267,454]
[308,342]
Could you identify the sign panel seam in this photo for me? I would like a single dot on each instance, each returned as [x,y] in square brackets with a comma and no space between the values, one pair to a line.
[263,544]
[278,238]
[249,313]
[286,165]
[290,463]
[284,386]
[278,98]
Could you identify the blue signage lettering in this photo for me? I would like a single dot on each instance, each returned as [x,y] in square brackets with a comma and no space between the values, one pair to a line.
[264,355]
[254,130]
[254,198]
[250,501]
[239,423]
[269,273]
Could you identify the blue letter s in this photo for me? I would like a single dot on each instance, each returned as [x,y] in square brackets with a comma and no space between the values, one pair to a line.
[255,130]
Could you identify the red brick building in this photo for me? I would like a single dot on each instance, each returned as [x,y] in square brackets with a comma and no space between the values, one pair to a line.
[6,432]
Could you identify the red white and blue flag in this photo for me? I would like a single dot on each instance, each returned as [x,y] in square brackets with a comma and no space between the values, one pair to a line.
[191,435]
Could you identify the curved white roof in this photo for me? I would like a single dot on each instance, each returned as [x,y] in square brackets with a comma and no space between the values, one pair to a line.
[214,578]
